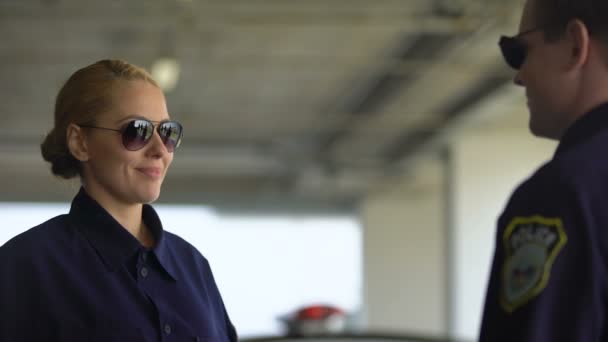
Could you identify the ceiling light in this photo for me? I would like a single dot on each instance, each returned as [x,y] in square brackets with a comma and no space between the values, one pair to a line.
[165,72]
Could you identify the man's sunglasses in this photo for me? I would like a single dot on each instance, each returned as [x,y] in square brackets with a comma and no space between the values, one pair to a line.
[137,133]
[514,50]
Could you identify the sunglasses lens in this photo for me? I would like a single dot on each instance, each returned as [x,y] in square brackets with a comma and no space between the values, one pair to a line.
[136,134]
[513,51]
[171,134]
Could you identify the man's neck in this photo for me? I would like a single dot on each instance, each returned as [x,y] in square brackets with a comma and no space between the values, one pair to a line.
[593,88]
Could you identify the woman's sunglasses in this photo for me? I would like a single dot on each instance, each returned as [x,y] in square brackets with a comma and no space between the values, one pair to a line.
[514,50]
[137,133]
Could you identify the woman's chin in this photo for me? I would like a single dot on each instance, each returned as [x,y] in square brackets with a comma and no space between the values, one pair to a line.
[148,196]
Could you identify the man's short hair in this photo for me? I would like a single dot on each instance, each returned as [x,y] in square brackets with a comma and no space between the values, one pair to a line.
[552,16]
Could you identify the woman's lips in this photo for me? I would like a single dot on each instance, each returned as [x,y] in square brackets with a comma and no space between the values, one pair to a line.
[152,172]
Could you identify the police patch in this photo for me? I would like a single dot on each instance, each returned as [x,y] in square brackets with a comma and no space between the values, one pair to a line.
[531,245]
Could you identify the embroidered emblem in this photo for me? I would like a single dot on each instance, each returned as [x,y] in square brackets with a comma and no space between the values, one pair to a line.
[531,245]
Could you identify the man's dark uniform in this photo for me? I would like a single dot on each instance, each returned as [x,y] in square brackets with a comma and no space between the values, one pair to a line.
[549,275]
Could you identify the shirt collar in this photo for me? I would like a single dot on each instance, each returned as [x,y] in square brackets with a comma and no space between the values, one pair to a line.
[162,250]
[111,240]
[585,127]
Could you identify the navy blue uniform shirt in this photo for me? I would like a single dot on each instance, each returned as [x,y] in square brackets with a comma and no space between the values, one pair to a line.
[83,277]
[549,275]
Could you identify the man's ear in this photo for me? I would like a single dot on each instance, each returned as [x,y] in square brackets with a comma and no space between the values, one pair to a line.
[77,143]
[577,36]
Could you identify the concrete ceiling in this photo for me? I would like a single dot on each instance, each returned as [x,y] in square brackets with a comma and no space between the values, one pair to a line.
[307,102]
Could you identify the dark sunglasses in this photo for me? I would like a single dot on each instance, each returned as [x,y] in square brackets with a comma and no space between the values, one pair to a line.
[137,133]
[514,50]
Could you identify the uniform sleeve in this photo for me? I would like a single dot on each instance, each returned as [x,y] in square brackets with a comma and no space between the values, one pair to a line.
[232,335]
[211,283]
[548,277]
[8,297]
[18,311]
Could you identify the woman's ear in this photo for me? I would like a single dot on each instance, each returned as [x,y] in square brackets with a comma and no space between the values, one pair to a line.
[77,143]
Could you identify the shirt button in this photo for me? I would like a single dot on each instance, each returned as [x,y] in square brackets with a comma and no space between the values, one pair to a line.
[167,329]
[144,272]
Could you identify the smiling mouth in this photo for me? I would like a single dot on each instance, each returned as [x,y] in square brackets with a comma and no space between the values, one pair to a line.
[151,172]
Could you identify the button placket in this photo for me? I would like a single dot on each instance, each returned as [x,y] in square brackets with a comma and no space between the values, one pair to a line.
[144,272]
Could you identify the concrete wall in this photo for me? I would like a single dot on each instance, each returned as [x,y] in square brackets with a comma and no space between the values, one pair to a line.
[415,281]
[404,266]
[487,168]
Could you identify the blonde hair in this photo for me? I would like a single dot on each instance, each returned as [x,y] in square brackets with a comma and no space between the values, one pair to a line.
[86,94]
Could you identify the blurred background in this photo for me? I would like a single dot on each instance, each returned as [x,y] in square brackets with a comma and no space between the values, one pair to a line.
[344,153]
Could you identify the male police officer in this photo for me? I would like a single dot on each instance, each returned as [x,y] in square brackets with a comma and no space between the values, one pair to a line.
[549,279]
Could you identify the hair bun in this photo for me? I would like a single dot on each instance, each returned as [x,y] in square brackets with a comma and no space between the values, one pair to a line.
[53,151]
